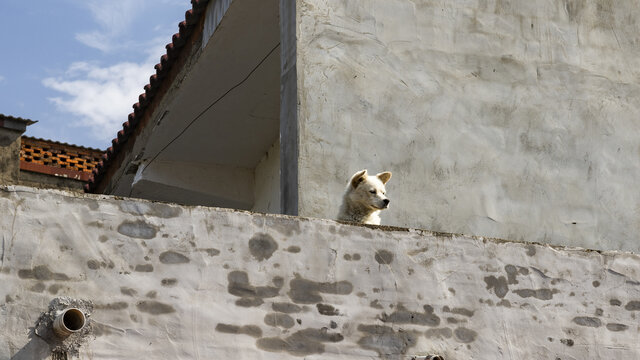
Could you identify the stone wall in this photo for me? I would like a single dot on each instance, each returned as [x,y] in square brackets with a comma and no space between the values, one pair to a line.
[191,282]
[511,119]
[9,156]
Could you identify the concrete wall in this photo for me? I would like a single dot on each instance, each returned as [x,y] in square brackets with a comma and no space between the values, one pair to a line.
[190,282]
[289,102]
[267,182]
[196,184]
[9,156]
[511,119]
[10,172]
[33,179]
[213,16]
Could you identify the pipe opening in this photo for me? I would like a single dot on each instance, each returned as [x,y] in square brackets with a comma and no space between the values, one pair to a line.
[70,321]
[73,319]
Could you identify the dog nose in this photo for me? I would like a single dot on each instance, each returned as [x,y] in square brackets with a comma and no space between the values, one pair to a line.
[386,202]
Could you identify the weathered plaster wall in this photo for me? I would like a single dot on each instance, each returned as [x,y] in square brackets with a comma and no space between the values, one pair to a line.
[512,119]
[191,282]
[9,156]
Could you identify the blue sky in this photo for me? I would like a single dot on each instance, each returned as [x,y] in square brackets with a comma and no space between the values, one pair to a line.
[77,66]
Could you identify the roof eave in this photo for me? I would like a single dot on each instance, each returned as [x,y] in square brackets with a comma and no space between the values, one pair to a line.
[14,123]
[154,91]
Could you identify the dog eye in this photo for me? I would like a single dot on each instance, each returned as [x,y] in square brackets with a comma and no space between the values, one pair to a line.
[372,191]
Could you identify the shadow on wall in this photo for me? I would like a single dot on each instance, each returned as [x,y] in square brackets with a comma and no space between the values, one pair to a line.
[36,349]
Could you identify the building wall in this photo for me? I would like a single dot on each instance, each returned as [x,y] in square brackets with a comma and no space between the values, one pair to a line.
[204,135]
[289,103]
[192,282]
[124,172]
[510,119]
[267,182]
[9,156]
[28,178]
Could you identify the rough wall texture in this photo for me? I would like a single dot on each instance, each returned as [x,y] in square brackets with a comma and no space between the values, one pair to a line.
[512,119]
[175,282]
[9,156]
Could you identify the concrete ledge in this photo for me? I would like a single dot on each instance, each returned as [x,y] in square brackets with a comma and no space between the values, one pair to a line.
[187,282]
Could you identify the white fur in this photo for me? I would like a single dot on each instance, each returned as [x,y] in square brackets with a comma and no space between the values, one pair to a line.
[364,198]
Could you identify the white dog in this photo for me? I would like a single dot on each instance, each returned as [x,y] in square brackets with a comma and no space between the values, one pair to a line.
[364,198]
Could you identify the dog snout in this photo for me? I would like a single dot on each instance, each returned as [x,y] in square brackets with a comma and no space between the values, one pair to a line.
[386,202]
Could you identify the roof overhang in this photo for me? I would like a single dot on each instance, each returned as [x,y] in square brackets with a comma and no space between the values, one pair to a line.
[14,123]
[216,119]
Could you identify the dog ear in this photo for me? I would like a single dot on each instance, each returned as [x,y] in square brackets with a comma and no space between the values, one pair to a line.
[358,177]
[384,176]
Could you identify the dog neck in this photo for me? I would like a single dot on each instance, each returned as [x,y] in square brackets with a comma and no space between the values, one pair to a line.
[359,213]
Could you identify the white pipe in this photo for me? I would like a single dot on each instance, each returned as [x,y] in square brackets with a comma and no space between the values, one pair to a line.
[71,320]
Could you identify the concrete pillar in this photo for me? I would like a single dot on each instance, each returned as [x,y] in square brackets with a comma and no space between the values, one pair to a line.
[10,131]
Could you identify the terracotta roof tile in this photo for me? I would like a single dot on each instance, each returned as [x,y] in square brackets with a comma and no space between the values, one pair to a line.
[174,49]
[56,158]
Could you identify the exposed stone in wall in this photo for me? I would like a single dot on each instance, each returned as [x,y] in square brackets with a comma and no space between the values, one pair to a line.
[214,283]
[9,156]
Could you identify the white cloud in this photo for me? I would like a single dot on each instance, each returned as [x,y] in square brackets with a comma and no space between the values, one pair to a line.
[114,18]
[100,98]
[96,40]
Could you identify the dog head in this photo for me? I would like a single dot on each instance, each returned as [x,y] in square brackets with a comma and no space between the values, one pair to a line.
[368,190]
